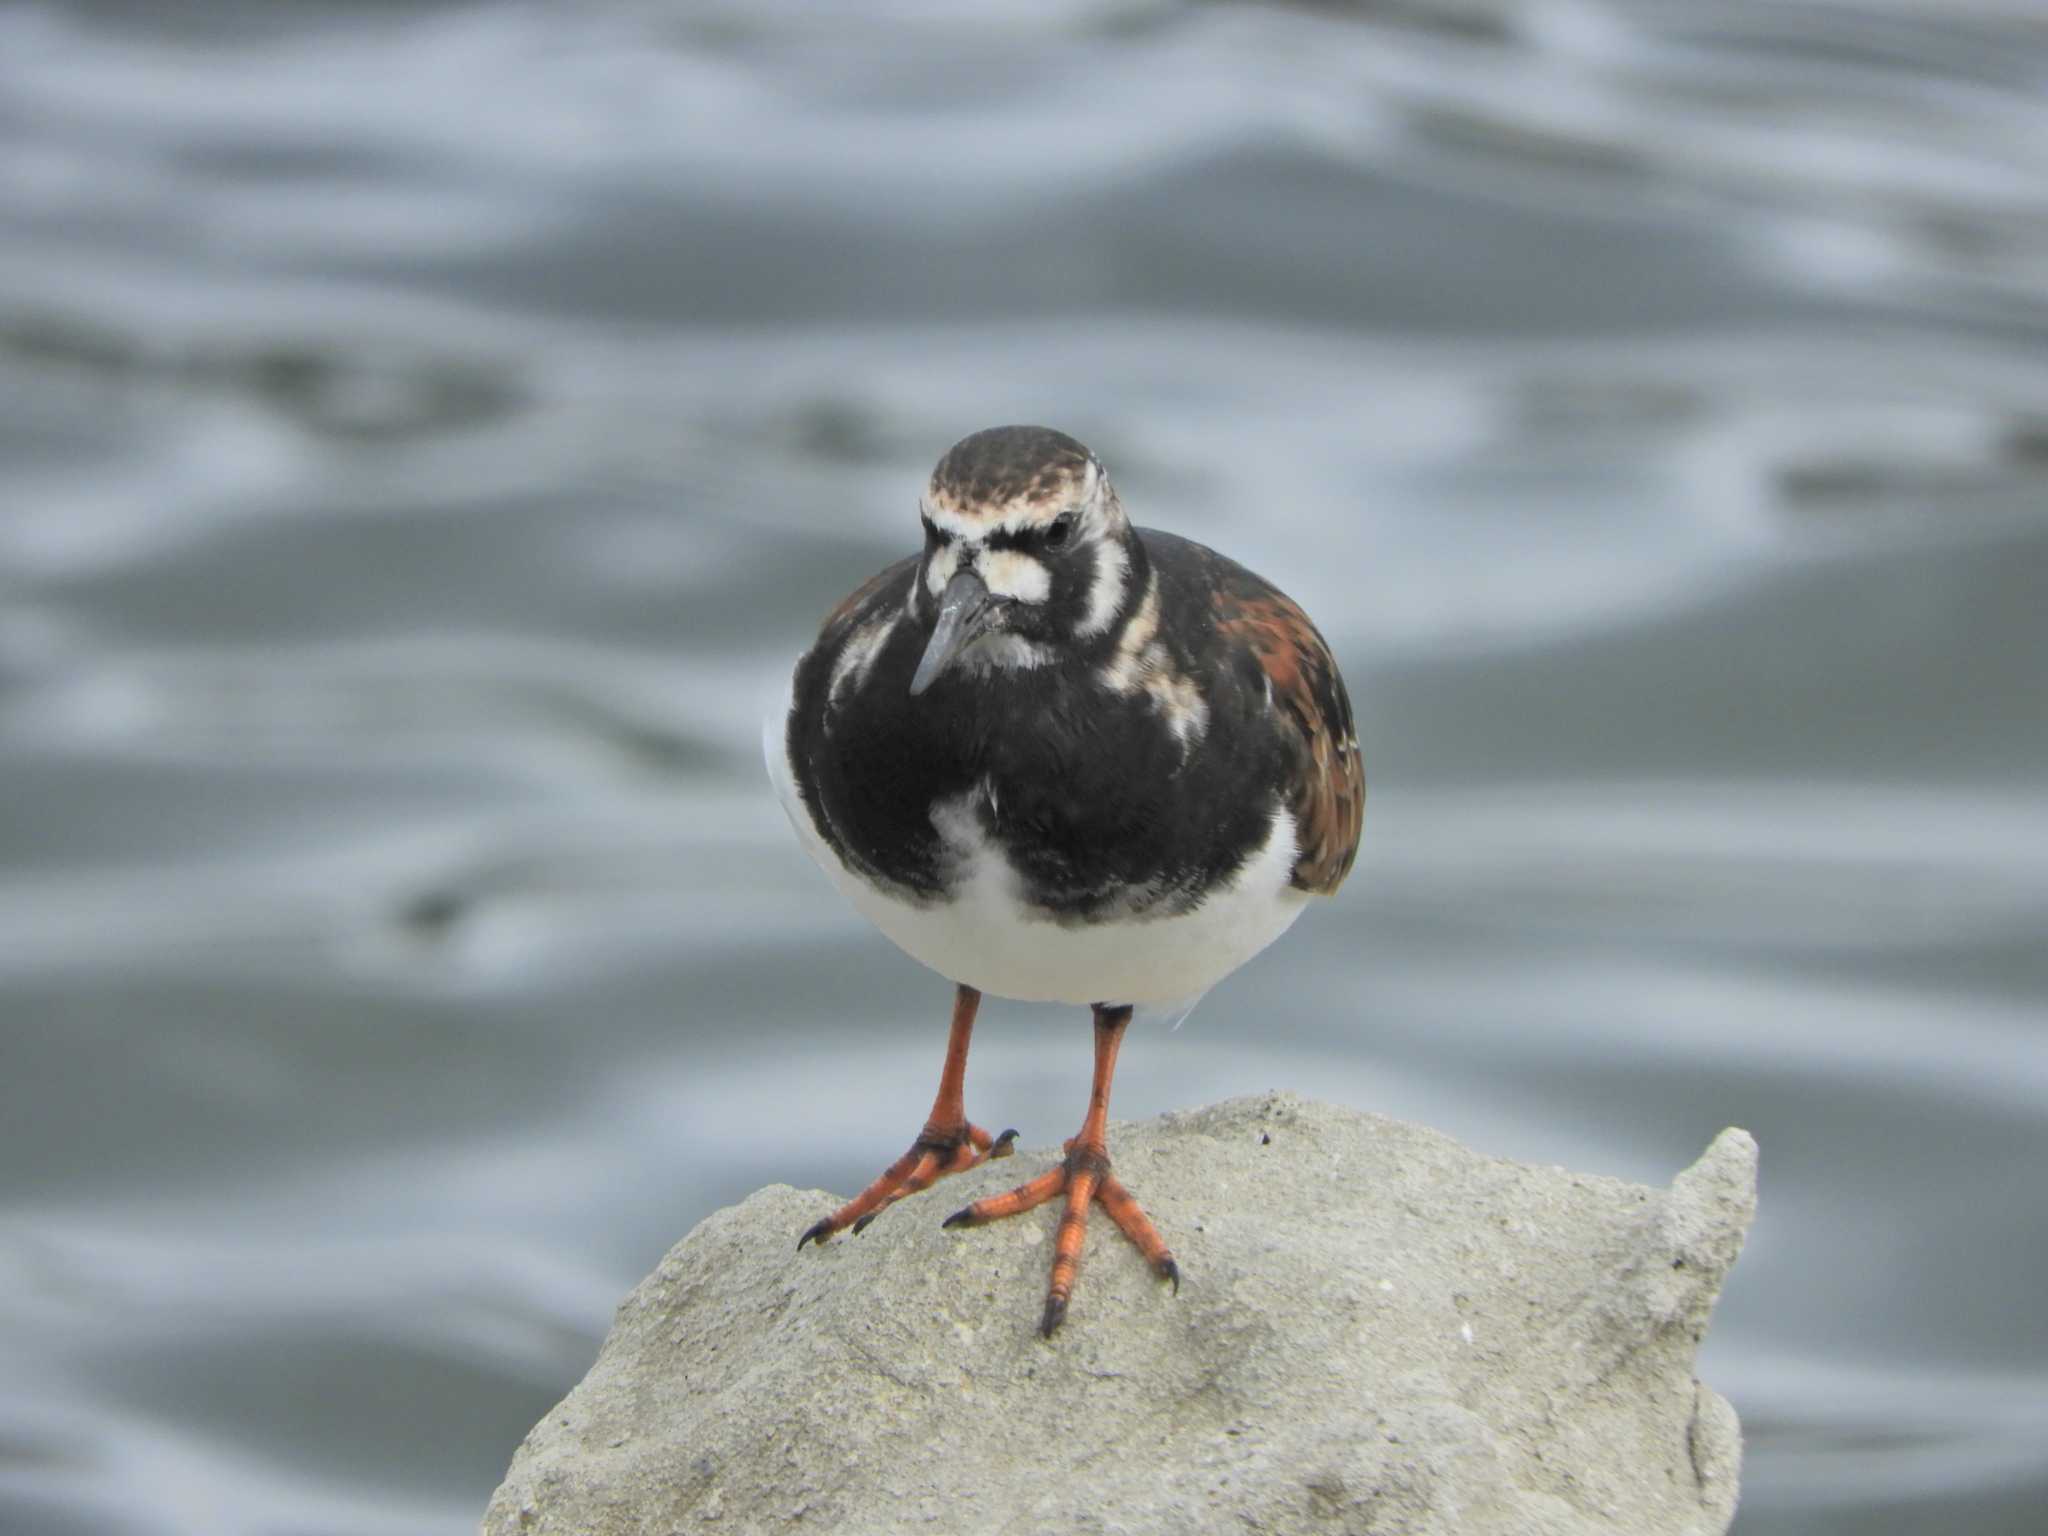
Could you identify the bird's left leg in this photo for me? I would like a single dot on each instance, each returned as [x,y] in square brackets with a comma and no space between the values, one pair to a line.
[1083,1177]
[949,1142]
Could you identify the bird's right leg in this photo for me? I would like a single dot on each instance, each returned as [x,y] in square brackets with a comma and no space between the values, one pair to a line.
[949,1143]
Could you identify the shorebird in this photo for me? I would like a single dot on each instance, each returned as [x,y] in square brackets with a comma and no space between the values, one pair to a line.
[1057,757]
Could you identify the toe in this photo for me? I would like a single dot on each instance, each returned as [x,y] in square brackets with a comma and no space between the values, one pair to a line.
[1055,1314]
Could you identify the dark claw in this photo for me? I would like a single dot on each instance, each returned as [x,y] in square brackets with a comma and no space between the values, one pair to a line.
[964,1217]
[1168,1270]
[817,1232]
[862,1225]
[1002,1147]
[1055,1314]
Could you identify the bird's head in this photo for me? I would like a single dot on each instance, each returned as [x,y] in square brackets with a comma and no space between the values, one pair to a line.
[1028,557]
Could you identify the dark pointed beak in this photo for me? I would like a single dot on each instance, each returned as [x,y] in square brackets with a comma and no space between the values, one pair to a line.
[964,609]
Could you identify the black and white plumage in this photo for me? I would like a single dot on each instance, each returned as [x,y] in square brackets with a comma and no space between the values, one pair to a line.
[1058,757]
[1125,784]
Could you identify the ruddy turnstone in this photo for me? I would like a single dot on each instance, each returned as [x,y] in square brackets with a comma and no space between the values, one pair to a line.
[1060,758]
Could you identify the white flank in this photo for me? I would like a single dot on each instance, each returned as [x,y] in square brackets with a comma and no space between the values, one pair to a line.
[986,937]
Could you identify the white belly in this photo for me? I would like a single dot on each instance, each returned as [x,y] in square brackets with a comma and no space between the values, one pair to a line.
[986,937]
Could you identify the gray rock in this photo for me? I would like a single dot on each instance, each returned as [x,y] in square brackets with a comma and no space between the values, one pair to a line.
[1378,1331]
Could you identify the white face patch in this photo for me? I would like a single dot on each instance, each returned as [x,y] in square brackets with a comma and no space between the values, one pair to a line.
[943,564]
[1011,573]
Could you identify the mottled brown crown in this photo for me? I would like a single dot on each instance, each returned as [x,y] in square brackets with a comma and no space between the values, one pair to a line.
[1007,470]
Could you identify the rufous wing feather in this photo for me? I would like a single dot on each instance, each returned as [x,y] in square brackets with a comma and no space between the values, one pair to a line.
[1308,695]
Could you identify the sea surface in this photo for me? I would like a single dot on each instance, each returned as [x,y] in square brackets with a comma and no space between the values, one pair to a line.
[427,433]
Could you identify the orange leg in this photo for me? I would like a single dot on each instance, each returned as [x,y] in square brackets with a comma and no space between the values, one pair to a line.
[1083,1177]
[947,1144]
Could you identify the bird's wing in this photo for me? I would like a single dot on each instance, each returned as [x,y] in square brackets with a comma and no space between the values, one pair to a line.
[861,602]
[1311,707]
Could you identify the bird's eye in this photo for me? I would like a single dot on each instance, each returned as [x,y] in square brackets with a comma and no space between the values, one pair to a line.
[1061,530]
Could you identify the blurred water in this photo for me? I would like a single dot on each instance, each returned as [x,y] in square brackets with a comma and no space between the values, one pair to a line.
[426,432]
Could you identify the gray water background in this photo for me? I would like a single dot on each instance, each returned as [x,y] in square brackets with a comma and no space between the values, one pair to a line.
[427,432]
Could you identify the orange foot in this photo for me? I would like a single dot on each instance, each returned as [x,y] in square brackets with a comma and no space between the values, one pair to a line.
[1083,1177]
[938,1151]
[947,1144]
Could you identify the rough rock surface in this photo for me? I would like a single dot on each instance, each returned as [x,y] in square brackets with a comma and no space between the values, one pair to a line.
[1378,1331]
